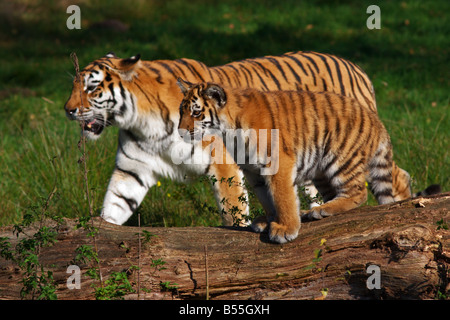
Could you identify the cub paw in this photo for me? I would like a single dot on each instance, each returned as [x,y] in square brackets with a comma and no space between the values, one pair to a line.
[281,234]
[259,224]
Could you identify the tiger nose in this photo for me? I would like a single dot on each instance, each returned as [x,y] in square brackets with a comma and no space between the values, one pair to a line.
[71,113]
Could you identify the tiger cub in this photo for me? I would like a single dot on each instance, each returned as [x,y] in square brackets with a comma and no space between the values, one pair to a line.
[324,137]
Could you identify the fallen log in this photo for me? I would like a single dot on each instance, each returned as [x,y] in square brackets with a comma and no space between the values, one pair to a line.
[396,251]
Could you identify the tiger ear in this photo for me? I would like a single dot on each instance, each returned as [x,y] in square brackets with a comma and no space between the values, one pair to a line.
[217,93]
[184,85]
[129,63]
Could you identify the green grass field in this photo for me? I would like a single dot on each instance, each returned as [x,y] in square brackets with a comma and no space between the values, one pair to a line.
[407,60]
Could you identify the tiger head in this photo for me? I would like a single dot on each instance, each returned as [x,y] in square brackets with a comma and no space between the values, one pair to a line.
[99,96]
[201,107]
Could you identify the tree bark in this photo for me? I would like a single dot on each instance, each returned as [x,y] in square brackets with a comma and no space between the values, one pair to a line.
[406,244]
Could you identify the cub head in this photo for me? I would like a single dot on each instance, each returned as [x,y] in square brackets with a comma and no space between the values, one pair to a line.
[100,96]
[200,107]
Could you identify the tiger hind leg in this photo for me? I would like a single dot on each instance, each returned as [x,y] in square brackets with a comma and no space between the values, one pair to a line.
[342,190]
[347,197]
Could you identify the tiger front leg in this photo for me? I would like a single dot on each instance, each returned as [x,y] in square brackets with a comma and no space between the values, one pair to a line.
[125,192]
[286,224]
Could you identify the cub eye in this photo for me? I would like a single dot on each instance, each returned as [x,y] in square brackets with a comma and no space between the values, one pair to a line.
[196,113]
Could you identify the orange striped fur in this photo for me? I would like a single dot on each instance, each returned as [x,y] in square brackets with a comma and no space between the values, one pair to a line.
[324,137]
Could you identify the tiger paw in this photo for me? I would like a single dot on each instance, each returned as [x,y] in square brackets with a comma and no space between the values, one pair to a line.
[259,224]
[281,234]
[315,214]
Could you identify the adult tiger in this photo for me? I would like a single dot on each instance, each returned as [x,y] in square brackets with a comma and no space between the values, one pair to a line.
[142,99]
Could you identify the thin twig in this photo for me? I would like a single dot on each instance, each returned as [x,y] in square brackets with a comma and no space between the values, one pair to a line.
[74,57]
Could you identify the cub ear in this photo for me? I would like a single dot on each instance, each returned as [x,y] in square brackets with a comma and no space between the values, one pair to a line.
[217,93]
[184,85]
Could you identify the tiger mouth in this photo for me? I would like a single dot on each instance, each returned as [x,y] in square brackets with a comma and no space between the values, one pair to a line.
[94,126]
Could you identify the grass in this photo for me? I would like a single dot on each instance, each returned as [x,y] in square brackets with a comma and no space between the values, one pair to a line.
[407,59]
